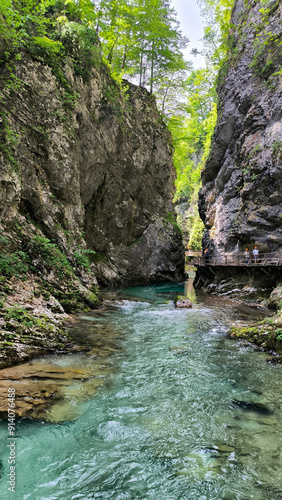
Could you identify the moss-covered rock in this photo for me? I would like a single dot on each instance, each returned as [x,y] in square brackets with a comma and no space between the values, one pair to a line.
[275,299]
[266,334]
[29,330]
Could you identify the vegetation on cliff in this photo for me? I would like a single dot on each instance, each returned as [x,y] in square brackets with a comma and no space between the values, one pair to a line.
[192,126]
[86,176]
[141,41]
[69,41]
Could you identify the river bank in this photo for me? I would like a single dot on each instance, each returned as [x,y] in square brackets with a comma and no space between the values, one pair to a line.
[255,290]
[267,333]
[34,323]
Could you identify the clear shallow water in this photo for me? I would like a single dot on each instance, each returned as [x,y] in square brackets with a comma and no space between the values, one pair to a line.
[169,423]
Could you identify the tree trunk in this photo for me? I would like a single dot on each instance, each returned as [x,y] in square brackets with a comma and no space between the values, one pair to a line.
[141,69]
[164,99]
[124,56]
[152,68]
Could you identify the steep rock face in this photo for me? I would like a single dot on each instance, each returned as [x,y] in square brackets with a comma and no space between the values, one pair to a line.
[241,198]
[183,210]
[91,169]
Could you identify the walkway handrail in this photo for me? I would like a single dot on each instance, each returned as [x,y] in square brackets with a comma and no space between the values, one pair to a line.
[264,259]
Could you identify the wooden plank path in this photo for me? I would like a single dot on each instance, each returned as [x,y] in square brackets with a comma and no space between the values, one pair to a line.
[239,260]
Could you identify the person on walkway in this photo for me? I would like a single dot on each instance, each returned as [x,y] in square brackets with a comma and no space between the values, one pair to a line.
[207,256]
[247,256]
[256,254]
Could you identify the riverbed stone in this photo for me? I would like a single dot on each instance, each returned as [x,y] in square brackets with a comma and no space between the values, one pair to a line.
[63,380]
[223,448]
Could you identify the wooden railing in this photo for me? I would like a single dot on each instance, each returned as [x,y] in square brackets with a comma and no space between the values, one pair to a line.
[264,259]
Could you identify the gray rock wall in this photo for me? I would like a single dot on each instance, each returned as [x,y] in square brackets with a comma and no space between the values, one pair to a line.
[94,165]
[241,199]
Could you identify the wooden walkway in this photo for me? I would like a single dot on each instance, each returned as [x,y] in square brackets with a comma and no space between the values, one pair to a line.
[239,260]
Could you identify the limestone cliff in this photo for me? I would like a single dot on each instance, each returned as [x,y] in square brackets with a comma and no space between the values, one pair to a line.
[241,197]
[240,202]
[94,164]
[86,188]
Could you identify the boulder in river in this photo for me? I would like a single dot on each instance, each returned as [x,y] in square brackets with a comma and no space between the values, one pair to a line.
[183,303]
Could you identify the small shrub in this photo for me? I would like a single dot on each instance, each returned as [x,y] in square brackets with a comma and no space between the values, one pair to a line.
[50,257]
[277,148]
[279,334]
[46,46]
[82,259]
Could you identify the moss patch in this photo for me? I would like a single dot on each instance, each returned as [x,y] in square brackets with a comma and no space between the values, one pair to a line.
[25,334]
[266,334]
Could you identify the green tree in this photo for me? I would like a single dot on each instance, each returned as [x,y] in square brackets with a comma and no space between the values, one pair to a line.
[141,38]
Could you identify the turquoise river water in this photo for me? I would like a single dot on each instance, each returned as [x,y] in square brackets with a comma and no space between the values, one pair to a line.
[184,413]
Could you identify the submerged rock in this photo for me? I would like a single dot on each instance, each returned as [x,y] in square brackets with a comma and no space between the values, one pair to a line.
[251,406]
[54,387]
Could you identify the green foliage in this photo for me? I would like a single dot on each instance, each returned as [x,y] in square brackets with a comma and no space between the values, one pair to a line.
[22,20]
[48,256]
[3,239]
[269,7]
[267,50]
[141,38]
[170,219]
[277,148]
[246,170]
[192,136]
[267,45]
[218,40]
[81,256]
[20,315]
[48,47]
[278,334]
[14,264]
[195,228]
[257,149]
[80,42]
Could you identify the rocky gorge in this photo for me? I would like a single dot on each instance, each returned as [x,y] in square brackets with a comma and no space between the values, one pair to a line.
[87,182]
[86,189]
